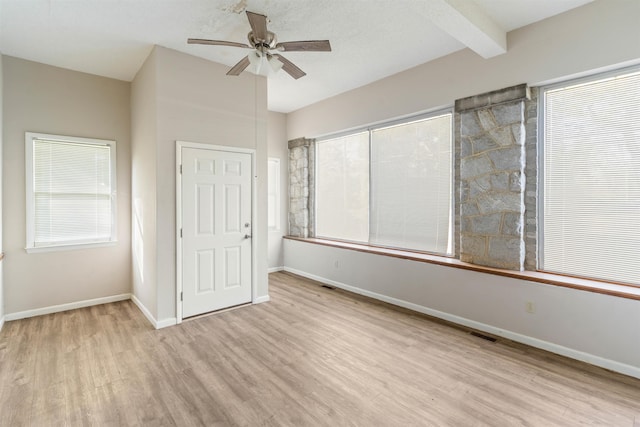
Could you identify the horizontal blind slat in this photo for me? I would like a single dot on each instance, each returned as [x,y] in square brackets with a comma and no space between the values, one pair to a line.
[411,185]
[72,192]
[342,188]
[592,179]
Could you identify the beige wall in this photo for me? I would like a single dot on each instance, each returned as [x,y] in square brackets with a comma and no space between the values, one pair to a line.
[597,35]
[277,147]
[183,98]
[143,184]
[41,98]
[197,102]
[597,328]
[1,263]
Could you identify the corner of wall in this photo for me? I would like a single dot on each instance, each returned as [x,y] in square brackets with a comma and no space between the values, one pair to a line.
[190,102]
[143,186]
[157,324]
[1,183]
[277,148]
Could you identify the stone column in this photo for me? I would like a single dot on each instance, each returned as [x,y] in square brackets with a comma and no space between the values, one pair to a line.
[492,180]
[301,175]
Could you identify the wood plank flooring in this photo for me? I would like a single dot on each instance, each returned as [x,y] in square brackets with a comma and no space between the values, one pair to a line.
[310,357]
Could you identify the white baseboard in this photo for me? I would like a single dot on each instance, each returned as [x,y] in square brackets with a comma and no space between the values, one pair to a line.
[275,269]
[158,324]
[612,365]
[144,310]
[260,300]
[171,321]
[88,303]
[64,307]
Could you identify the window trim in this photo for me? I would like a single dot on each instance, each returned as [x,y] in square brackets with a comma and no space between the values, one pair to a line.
[585,79]
[30,246]
[386,124]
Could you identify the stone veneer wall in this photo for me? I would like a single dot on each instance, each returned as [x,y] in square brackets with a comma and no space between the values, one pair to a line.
[495,209]
[301,185]
[491,177]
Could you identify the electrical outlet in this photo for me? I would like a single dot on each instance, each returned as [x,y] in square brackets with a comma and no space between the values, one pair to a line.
[530,307]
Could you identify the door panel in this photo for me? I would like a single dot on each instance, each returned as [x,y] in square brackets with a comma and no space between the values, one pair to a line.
[232,267]
[205,268]
[232,168]
[205,212]
[232,202]
[216,230]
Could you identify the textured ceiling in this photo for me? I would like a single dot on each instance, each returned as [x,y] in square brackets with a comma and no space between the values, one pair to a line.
[371,39]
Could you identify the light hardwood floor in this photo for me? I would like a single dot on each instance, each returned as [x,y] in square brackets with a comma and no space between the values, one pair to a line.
[311,356]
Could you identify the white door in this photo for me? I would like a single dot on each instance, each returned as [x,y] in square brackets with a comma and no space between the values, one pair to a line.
[216,230]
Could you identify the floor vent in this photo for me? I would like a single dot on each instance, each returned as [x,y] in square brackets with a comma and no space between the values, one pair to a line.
[328,287]
[484,337]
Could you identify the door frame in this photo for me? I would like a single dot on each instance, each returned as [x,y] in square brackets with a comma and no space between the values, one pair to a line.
[254,220]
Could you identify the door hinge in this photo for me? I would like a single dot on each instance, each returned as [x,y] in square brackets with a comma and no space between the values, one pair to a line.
[180,169]
[180,296]
[181,233]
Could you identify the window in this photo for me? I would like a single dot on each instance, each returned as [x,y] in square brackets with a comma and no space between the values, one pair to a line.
[273,193]
[388,186]
[70,191]
[590,181]
[342,189]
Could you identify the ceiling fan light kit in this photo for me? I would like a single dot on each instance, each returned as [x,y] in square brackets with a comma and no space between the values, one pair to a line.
[265,57]
[264,64]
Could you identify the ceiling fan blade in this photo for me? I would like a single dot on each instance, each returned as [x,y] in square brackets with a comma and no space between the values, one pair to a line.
[309,45]
[239,67]
[290,67]
[258,25]
[218,43]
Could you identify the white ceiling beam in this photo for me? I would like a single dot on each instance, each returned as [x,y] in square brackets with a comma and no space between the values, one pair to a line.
[465,21]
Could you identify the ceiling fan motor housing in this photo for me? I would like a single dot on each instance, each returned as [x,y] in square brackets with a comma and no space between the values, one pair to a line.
[262,45]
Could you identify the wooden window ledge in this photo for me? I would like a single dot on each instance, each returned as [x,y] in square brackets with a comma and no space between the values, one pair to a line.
[613,289]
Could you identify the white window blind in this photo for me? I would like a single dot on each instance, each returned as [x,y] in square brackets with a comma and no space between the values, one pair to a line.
[388,186]
[342,188]
[591,188]
[411,185]
[70,191]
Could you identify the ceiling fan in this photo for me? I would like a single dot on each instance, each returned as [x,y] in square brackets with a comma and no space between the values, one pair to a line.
[265,48]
